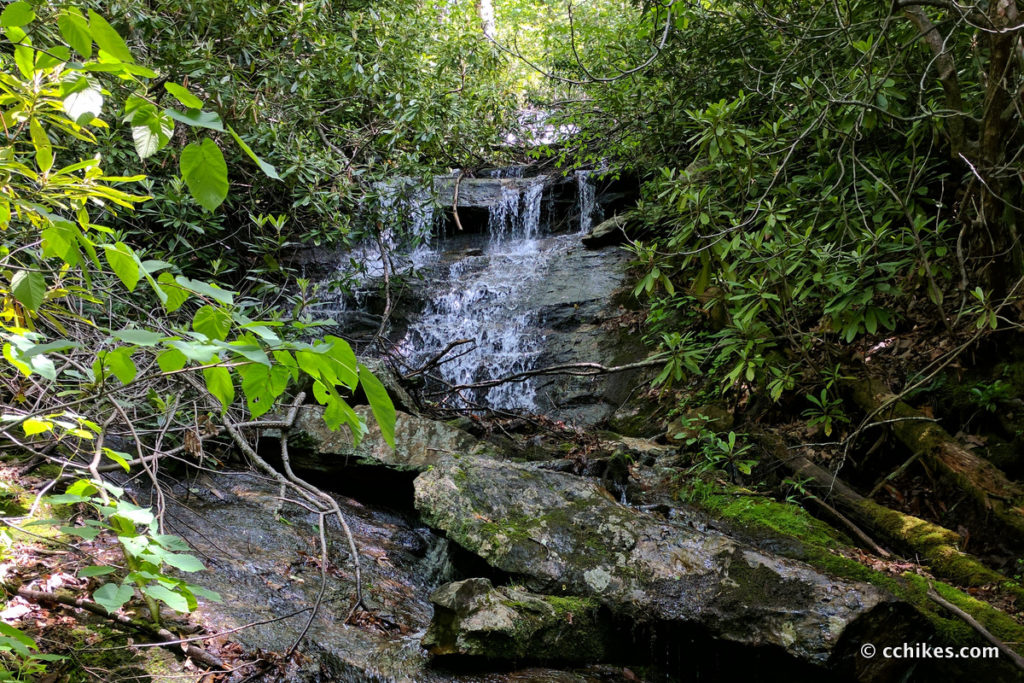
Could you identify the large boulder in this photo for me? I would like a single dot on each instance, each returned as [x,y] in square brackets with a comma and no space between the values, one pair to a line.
[474,618]
[609,232]
[419,442]
[479,192]
[565,534]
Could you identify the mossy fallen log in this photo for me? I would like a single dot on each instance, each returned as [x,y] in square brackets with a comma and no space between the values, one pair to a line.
[997,499]
[933,545]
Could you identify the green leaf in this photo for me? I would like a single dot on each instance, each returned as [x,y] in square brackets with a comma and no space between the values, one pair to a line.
[124,263]
[138,337]
[112,597]
[176,293]
[184,96]
[219,384]
[29,288]
[86,532]
[17,14]
[176,601]
[75,30]
[380,404]
[257,388]
[95,570]
[171,360]
[197,119]
[44,150]
[133,513]
[108,39]
[84,104]
[120,363]
[122,459]
[205,172]
[215,323]
[34,425]
[268,169]
[184,562]
[225,296]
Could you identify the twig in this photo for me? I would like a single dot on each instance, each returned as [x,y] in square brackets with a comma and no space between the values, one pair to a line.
[455,201]
[973,623]
[165,637]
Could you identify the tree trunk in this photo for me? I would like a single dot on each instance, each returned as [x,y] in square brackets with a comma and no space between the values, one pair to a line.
[485,10]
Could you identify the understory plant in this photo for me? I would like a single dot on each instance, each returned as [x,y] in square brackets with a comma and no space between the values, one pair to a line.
[95,333]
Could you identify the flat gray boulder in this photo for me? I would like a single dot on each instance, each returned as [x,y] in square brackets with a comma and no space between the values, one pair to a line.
[419,442]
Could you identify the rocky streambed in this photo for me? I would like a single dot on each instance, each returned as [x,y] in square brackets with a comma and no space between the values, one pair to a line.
[481,567]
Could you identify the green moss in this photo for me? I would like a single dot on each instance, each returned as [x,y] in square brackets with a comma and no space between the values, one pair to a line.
[566,605]
[766,518]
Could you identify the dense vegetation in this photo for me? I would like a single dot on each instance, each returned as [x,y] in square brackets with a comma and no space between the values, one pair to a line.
[821,187]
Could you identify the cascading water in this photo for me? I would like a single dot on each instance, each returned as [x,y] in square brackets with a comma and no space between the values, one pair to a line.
[586,200]
[481,298]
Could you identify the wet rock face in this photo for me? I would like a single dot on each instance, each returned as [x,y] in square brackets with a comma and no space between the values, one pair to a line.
[419,442]
[474,618]
[565,534]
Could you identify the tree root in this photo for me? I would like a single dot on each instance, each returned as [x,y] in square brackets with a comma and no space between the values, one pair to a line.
[933,545]
[163,637]
[995,496]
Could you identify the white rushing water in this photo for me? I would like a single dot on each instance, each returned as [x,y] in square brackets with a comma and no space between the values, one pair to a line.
[480,297]
[478,286]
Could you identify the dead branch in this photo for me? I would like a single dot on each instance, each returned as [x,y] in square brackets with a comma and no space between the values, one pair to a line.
[973,623]
[455,201]
[164,637]
[436,359]
[585,369]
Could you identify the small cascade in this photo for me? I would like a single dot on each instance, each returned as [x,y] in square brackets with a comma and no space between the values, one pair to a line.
[481,298]
[586,201]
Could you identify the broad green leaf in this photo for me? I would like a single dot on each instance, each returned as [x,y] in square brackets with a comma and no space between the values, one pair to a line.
[184,562]
[184,96]
[205,172]
[268,169]
[171,542]
[17,14]
[122,459]
[75,30]
[225,296]
[81,487]
[120,363]
[138,337]
[86,532]
[95,570]
[112,597]
[205,593]
[124,263]
[257,388]
[34,425]
[175,601]
[171,360]
[176,294]
[195,351]
[151,130]
[29,288]
[108,39]
[219,384]
[197,119]
[215,323]
[380,404]
[134,513]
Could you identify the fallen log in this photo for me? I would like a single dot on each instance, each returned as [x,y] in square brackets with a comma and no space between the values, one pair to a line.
[931,544]
[995,496]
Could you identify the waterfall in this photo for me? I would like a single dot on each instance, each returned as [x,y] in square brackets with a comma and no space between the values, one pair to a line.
[481,298]
[586,201]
